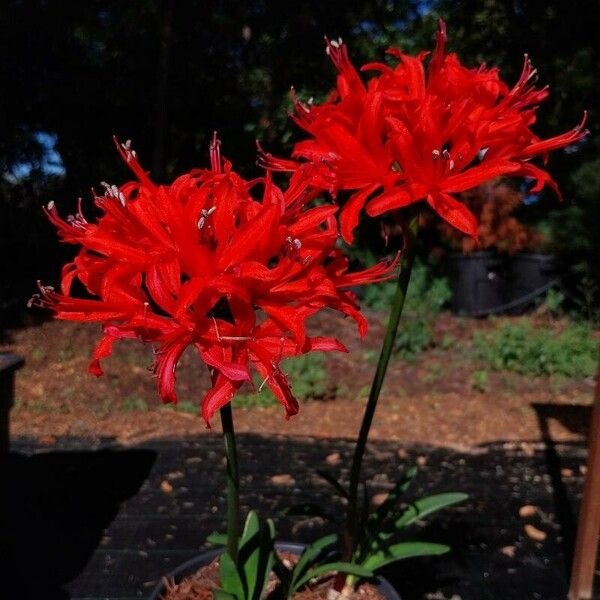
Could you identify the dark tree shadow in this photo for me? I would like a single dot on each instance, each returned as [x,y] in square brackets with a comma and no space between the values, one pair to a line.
[55,507]
[575,418]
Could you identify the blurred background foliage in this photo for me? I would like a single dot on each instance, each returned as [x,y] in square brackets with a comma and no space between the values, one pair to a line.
[166,73]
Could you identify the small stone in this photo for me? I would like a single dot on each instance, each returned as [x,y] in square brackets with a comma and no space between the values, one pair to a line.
[47,440]
[333,459]
[402,453]
[508,551]
[528,510]
[193,460]
[175,475]
[379,499]
[566,472]
[534,533]
[583,469]
[283,479]
[421,461]
[166,487]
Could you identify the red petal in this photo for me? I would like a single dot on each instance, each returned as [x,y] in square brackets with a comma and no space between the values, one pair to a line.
[218,396]
[455,213]
[351,211]
[166,361]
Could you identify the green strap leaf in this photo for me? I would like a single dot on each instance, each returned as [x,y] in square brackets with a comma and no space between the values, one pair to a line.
[219,594]
[394,496]
[231,582]
[249,553]
[218,539]
[266,558]
[285,577]
[403,551]
[423,507]
[333,482]
[310,554]
[344,567]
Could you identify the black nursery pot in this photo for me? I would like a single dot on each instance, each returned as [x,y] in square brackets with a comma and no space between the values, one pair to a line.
[530,275]
[477,281]
[383,586]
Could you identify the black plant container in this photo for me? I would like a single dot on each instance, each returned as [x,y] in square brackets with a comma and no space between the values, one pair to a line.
[383,586]
[477,281]
[530,275]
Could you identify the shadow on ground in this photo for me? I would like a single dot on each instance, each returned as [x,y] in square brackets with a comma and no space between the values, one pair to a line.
[69,530]
[56,507]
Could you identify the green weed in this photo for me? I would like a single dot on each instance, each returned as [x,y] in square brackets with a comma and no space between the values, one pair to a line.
[307,374]
[425,300]
[134,403]
[529,350]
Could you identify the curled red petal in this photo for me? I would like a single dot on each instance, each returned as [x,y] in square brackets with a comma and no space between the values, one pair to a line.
[349,216]
[218,396]
[455,213]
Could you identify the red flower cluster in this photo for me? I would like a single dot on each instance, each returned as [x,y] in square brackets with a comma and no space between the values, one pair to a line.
[203,263]
[417,132]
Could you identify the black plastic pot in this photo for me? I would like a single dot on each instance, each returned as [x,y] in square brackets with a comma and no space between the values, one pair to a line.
[477,281]
[383,586]
[529,276]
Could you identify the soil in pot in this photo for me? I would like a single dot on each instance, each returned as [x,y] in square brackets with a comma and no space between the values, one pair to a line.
[199,585]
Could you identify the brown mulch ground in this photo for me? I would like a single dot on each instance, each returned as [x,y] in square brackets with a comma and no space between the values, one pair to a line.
[429,400]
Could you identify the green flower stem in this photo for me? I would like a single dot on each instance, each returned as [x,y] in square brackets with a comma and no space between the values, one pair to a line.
[233,482]
[410,231]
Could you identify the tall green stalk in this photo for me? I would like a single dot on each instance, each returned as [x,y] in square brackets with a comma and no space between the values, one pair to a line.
[233,482]
[410,231]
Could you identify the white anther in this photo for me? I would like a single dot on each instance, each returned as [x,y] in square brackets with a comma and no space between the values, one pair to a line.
[311,101]
[334,43]
[50,205]
[204,214]
[340,42]
[445,154]
[451,165]
[294,243]
[435,154]
[327,50]
[112,191]
[129,153]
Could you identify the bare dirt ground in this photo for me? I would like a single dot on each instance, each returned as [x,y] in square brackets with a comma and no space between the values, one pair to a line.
[431,400]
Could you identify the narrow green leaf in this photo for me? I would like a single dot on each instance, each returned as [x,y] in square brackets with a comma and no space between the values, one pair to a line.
[310,554]
[266,558]
[423,507]
[395,494]
[231,582]
[402,551]
[218,539]
[332,481]
[219,594]
[249,553]
[284,575]
[344,567]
